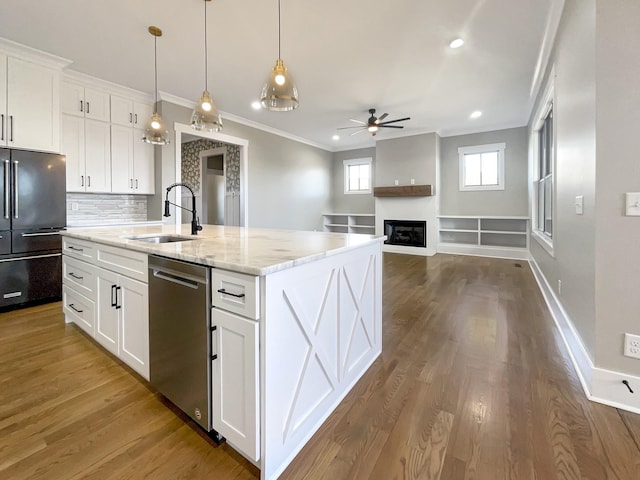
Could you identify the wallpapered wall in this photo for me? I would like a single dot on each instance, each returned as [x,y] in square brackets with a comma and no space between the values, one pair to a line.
[191,167]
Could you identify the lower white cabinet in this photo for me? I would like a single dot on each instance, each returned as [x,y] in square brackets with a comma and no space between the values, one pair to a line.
[235,381]
[116,311]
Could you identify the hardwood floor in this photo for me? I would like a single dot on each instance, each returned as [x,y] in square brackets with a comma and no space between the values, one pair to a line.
[473,383]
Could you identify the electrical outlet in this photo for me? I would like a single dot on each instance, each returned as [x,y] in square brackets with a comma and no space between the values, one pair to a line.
[632,345]
[74,206]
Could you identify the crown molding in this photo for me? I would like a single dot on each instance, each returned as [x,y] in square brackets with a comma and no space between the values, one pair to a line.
[243,121]
[33,55]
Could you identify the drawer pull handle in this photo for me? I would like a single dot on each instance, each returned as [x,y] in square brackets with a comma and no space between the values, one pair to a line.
[214,357]
[71,247]
[77,277]
[237,295]
[74,308]
[214,328]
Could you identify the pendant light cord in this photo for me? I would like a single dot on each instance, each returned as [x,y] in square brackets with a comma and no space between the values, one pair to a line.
[155,57]
[206,55]
[279,57]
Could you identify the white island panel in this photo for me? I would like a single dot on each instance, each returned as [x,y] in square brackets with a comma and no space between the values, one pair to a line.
[321,330]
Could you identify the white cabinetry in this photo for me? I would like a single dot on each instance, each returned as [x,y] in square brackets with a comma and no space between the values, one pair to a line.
[505,237]
[349,223]
[132,162]
[85,102]
[87,145]
[129,113]
[105,293]
[235,368]
[29,105]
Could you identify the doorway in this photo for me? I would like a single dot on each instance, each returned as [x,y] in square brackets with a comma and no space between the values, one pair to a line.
[233,175]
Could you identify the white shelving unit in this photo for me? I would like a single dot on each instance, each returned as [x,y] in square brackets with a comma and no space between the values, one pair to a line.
[492,236]
[349,223]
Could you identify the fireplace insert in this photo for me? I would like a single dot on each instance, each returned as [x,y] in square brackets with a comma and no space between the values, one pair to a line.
[409,233]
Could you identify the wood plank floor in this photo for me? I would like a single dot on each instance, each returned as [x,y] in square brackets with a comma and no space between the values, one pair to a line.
[473,383]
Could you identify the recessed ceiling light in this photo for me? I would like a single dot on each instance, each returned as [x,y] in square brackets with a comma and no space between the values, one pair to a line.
[336,137]
[256,105]
[476,114]
[457,43]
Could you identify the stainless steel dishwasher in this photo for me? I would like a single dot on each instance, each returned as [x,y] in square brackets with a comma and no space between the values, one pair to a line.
[180,335]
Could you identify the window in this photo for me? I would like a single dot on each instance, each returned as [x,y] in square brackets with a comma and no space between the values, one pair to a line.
[482,167]
[357,175]
[543,142]
[544,222]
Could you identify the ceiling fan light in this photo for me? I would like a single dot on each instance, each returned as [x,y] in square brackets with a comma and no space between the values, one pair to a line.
[205,116]
[279,93]
[372,128]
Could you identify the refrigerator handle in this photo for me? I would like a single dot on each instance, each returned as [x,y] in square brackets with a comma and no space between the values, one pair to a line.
[6,189]
[15,189]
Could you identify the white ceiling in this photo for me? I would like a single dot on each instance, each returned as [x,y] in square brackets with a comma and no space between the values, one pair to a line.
[346,56]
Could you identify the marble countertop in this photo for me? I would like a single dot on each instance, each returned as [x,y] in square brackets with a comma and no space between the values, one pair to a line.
[257,251]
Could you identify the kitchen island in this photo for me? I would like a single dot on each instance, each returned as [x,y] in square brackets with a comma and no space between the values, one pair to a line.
[299,312]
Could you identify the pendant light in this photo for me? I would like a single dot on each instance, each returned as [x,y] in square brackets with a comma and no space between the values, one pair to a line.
[205,116]
[279,93]
[155,131]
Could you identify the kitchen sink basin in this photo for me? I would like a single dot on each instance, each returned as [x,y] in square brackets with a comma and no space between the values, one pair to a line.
[160,239]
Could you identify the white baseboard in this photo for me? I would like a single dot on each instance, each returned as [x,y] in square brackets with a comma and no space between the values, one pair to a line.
[599,385]
[485,251]
[425,252]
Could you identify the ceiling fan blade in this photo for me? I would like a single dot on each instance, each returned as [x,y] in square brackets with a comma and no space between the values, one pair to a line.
[358,121]
[357,126]
[382,117]
[390,126]
[359,131]
[396,120]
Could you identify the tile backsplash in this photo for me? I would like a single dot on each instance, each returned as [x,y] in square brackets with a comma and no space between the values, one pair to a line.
[96,209]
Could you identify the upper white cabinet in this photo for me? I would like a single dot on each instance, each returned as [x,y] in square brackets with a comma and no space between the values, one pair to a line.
[132,162]
[85,102]
[129,113]
[29,105]
[87,146]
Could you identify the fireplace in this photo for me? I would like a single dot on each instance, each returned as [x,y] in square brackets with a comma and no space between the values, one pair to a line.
[409,233]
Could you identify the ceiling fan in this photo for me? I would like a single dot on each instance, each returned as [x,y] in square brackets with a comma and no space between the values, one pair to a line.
[373,124]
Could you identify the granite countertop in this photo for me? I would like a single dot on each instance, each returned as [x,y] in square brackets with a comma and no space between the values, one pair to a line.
[257,251]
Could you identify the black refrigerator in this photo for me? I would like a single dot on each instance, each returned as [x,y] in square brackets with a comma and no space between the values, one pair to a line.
[33,202]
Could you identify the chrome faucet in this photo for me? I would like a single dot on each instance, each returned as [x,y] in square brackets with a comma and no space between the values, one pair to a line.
[195,226]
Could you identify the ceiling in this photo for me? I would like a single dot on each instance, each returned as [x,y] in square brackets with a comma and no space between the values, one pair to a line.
[345,56]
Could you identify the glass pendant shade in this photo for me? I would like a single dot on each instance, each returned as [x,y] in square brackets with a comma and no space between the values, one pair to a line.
[279,93]
[155,131]
[205,116]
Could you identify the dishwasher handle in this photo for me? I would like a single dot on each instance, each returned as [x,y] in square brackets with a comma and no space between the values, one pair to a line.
[170,276]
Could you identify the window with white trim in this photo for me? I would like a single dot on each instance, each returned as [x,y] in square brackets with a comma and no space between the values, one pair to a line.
[357,175]
[543,141]
[482,167]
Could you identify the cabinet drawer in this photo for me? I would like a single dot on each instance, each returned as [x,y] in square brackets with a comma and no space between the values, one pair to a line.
[236,292]
[123,261]
[81,276]
[78,249]
[79,309]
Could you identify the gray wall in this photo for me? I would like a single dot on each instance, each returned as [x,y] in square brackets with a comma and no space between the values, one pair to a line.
[513,200]
[360,203]
[289,183]
[617,241]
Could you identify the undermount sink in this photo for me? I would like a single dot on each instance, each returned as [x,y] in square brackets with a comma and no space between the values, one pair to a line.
[160,239]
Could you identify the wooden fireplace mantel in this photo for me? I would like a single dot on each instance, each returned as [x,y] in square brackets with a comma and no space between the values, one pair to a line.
[404,191]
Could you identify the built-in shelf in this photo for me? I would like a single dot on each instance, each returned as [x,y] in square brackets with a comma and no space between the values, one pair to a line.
[349,223]
[404,191]
[506,237]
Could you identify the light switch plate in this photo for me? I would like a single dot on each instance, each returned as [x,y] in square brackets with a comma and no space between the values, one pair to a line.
[632,204]
[579,204]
